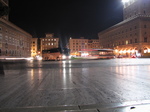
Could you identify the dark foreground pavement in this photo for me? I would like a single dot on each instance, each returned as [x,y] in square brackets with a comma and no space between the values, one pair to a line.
[118,85]
[114,107]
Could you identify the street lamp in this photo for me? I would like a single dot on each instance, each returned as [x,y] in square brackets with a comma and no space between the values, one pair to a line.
[124,1]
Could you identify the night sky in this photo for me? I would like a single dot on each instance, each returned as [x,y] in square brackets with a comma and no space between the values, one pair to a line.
[65,18]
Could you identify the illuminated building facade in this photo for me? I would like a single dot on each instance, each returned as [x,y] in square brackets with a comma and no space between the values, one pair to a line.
[49,42]
[34,45]
[76,45]
[13,40]
[93,44]
[132,35]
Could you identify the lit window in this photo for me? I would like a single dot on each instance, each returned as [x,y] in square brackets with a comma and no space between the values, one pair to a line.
[126,42]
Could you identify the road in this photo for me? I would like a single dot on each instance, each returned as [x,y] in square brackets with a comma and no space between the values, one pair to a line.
[75,82]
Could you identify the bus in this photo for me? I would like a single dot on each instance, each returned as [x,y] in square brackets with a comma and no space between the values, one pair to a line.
[97,53]
[55,54]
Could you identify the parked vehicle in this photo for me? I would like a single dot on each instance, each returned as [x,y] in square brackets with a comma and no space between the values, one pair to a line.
[55,54]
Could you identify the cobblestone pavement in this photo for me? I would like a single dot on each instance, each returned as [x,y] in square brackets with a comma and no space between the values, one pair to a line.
[76,85]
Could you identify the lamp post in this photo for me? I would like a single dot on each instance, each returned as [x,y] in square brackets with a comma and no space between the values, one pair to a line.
[124,1]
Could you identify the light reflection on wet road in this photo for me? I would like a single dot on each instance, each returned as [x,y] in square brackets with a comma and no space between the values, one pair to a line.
[75,82]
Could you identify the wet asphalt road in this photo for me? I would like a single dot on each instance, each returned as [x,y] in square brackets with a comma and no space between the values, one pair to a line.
[74,82]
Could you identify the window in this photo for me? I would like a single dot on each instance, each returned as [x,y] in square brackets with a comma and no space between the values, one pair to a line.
[145,39]
[135,13]
[130,41]
[135,27]
[0,36]
[127,42]
[135,40]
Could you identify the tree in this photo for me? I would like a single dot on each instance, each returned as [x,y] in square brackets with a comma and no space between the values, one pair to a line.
[4,10]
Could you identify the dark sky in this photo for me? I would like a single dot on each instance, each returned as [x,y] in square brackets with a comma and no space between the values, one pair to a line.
[65,18]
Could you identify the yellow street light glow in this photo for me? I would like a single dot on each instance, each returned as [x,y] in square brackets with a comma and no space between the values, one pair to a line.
[121,51]
[116,50]
[124,51]
[124,1]
[128,51]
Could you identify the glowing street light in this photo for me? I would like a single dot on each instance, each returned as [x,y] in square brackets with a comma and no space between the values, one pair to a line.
[124,1]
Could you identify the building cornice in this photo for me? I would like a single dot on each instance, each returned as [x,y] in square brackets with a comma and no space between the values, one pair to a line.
[125,22]
[14,27]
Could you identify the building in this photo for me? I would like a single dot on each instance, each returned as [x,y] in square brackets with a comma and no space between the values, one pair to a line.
[93,44]
[76,45]
[34,47]
[132,35]
[13,40]
[49,42]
